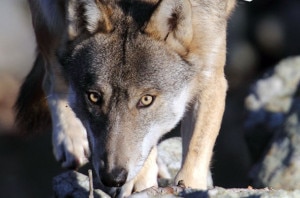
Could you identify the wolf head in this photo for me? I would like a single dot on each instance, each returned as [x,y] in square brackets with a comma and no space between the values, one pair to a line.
[129,81]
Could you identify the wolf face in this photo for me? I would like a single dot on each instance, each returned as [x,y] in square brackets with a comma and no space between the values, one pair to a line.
[121,93]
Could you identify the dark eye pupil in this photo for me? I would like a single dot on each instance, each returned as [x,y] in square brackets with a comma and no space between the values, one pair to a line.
[94,97]
[147,98]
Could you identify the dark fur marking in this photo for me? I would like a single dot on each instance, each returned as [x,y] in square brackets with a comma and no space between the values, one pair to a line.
[173,20]
[32,114]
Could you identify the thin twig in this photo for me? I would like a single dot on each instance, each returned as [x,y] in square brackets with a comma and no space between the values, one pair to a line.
[91,195]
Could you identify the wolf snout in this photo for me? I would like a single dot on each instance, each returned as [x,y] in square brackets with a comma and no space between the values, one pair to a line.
[114,178]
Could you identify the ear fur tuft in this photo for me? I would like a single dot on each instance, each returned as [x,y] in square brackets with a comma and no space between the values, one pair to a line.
[172,22]
[90,15]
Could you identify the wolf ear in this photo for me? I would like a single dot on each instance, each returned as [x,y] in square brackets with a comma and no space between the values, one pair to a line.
[171,21]
[90,15]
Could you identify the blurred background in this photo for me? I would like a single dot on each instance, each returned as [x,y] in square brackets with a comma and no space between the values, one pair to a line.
[260,34]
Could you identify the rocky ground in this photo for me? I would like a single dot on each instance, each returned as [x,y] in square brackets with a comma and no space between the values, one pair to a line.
[77,185]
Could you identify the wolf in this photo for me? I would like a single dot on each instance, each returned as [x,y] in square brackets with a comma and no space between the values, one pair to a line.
[112,77]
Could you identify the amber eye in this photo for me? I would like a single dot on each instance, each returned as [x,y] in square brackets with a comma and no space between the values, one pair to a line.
[94,97]
[146,101]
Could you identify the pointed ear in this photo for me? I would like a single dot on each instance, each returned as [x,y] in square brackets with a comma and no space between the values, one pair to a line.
[172,21]
[89,15]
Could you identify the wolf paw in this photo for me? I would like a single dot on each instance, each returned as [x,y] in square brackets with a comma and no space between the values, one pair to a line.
[70,144]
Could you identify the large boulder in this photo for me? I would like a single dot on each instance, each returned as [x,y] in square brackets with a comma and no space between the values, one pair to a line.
[280,166]
[273,127]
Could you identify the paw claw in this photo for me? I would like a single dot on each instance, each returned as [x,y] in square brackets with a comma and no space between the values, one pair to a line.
[181,184]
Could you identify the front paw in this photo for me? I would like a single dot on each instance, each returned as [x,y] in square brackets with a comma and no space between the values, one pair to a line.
[70,144]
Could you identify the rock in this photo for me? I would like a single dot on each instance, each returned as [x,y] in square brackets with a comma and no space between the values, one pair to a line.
[76,185]
[218,192]
[274,93]
[170,157]
[280,167]
[268,103]
[273,127]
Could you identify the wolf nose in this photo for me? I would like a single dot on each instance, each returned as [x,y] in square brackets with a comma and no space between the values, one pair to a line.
[116,178]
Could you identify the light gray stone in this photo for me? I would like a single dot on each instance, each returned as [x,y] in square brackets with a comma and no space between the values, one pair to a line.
[273,127]
[280,167]
[274,93]
[75,185]
[170,155]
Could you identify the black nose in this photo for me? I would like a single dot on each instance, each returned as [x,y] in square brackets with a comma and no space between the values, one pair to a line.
[115,178]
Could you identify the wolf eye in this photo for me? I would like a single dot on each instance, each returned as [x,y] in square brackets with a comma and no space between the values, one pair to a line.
[146,101]
[94,97]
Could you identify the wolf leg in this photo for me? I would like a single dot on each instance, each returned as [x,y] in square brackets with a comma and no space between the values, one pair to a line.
[200,128]
[69,137]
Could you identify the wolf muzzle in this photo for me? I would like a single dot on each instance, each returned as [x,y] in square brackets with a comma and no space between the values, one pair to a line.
[114,178]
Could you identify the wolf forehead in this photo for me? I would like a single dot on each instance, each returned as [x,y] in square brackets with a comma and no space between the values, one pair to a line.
[123,61]
[124,54]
